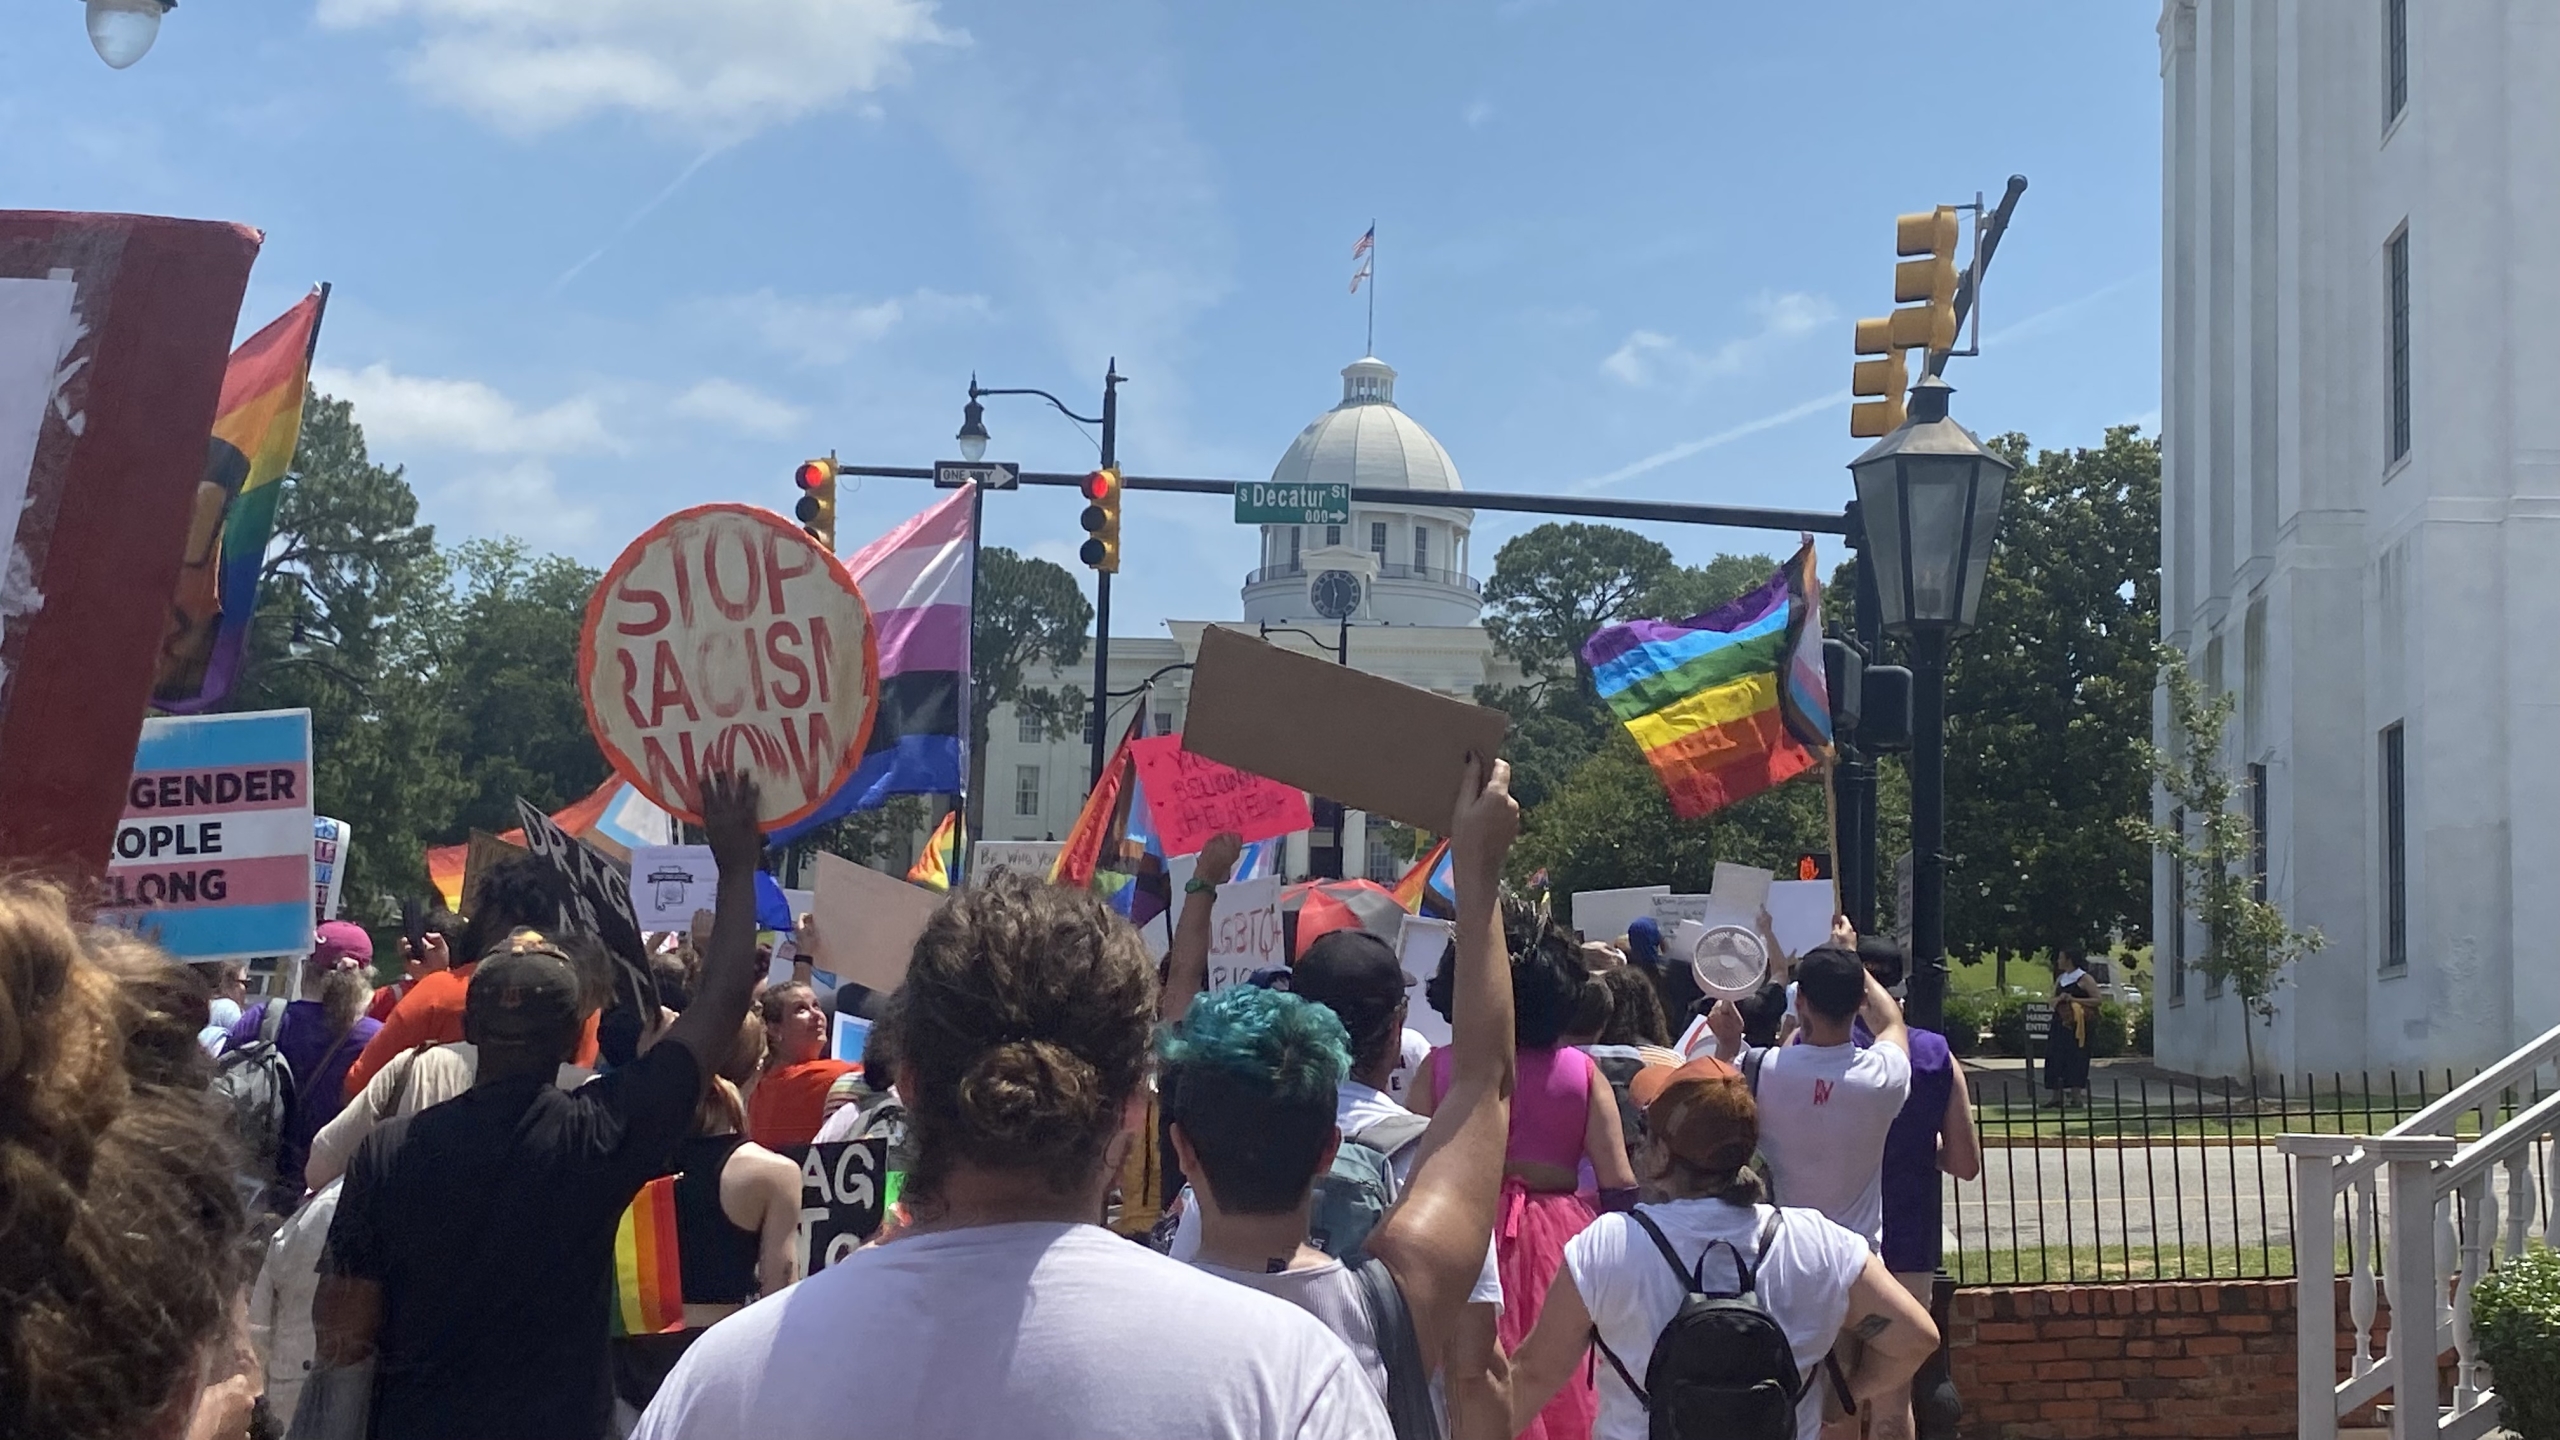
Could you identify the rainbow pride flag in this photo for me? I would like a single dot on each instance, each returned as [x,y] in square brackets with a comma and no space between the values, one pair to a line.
[648,1286]
[255,429]
[1726,704]
[1432,879]
[932,869]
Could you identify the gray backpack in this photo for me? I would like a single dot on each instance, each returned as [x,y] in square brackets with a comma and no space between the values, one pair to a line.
[259,1086]
[1352,1195]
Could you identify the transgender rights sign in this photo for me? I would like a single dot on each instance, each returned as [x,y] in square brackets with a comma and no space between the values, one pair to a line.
[213,856]
[726,639]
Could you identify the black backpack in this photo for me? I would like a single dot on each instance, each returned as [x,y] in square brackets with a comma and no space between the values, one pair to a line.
[1722,1369]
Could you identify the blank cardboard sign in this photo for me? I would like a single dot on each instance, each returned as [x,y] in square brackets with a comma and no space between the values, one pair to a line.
[1371,743]
[868,922]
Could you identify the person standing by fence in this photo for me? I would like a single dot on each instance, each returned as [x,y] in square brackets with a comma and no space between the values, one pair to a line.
[2066,1039]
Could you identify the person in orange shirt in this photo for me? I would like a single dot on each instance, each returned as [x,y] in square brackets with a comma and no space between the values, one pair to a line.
[517,893]
[790,1098]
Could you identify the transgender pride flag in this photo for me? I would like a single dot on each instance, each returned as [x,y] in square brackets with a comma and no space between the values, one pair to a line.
[916,581]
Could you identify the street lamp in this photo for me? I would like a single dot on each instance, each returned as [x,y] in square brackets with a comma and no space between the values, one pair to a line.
[121,31]
[973,444]
[1929,497]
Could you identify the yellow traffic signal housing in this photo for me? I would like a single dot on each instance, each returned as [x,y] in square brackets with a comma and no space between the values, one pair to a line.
[1929,324]
[817,508]
[1885,380]
[1875,337]
[1101,521]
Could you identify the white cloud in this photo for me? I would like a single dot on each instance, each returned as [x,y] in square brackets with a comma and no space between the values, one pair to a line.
[829,329]
[1476,114]
[468,415]
[523,500]
[716,69]
[1649,358]
[750,412]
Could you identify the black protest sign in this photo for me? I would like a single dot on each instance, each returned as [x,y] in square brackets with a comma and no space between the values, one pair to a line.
[841,1197]
[599,904]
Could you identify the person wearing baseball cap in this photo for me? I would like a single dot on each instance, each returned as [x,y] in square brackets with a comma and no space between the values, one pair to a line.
[319,1036]
[1619,1284]
[467,1287]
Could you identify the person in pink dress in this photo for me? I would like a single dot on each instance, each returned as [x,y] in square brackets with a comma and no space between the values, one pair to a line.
[1563,1114]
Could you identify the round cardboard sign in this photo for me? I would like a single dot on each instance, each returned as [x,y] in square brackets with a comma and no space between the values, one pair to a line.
[726,638]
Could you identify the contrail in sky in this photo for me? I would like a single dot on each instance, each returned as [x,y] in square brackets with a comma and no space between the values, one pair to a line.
[637,216]
[1687,448]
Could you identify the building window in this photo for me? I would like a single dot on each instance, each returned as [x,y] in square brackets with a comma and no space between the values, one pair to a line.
[1164,722]
[1088,727]
[2395,59]
[2395,850]
[2258,833]
[1333,534]
[1421,548]
[1030,730]
[1378,540]
[1026,789]
[1293,549]
[2177,916]
[2395,264]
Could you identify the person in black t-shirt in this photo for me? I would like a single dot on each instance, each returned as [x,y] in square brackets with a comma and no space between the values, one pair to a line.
[467,1287]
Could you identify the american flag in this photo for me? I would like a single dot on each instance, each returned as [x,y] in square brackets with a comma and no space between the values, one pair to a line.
[1362,246]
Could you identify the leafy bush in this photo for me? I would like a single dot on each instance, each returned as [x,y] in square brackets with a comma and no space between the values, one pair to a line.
[2010,1017]
[2142,1032]
[2516,1316]
[2111,1033]
[1964,1014]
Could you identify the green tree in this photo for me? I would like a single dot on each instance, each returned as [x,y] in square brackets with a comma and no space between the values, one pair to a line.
[509,677]
[2248,943]
[346,575]
[1029,610]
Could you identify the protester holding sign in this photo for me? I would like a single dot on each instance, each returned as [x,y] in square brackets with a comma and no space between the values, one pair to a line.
[1255,1080]
[473,1247]
[521,892]
[1005,1309]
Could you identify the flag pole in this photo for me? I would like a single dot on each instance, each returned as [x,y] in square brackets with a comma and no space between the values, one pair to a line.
[1831,816]
[1372,347]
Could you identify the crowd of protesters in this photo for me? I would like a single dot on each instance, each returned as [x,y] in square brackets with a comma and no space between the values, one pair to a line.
[1608,1207]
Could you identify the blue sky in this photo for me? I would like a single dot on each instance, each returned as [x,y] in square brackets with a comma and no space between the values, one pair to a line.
[596,260]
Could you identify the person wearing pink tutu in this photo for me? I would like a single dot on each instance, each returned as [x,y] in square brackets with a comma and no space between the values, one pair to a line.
[1562,1114]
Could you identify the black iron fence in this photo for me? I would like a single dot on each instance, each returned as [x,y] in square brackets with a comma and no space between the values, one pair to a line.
[2161,1177]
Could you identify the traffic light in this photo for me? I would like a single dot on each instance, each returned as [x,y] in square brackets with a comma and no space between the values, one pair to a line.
[817,507]
[1882,381]
[1101,521]
[1925,288]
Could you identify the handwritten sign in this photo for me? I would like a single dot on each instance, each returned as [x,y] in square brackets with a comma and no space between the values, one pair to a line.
[843,1193]
[1193,797]
[1245,933]
[213,857]
[726,638]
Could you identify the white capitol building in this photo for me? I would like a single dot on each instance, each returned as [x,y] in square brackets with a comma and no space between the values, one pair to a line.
[1402,571]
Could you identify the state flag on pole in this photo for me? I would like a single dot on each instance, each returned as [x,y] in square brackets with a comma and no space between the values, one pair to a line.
[1359,275]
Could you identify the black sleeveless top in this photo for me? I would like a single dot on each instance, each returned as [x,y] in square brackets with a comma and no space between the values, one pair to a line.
[717,1258]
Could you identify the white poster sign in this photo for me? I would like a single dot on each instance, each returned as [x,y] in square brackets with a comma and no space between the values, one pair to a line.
[1245,933]
[1605,914]
[670,882]
[1419,948]
[1800,914]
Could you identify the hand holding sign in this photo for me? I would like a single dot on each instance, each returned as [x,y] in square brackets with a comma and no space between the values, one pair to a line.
[725,639]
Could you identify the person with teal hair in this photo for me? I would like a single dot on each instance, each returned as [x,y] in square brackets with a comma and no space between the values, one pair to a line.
[1251,1080]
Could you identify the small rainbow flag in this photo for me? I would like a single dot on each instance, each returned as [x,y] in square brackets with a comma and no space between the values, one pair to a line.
[1432,878]
[1726,704]
[932,869]
[648,1286]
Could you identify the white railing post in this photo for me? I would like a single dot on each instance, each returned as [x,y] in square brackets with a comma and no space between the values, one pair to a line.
[2315,1292]
[2418,1294]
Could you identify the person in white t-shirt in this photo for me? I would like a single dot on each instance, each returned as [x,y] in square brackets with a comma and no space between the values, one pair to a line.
[1817,1280]
[1005,1309]
[1825,1104]
[1412,1049]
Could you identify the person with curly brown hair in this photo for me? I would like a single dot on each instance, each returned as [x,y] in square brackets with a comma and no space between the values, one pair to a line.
[1005,1308]
[121,1227]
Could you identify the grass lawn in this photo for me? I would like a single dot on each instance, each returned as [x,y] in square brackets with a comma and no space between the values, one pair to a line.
[2101,1264]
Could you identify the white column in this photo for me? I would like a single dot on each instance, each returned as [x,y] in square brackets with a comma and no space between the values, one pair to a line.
[1293,855]
[1355,844]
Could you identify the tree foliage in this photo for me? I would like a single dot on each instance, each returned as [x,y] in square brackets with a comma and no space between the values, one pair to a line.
[1029,610]
[2248,942]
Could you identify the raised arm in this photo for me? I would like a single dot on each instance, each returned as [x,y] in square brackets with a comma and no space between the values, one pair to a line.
[1959,1147]
[1187,962]
[1884,1018]
[709,1026]
[1434,1239]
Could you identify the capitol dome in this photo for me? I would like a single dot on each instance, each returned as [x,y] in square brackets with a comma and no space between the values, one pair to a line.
[1411,561]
